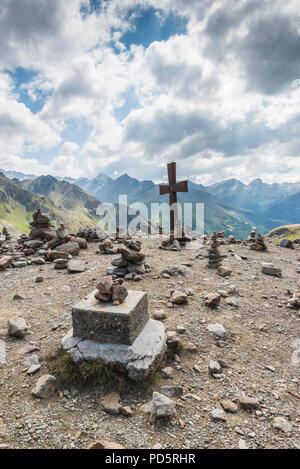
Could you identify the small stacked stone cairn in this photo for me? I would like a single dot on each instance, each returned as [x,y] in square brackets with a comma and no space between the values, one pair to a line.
[252,237]
[41,227]
[214,256]
[111,290]
[106,247]
[89,234]
[60,238]
[259,244]
[6,234]
[170,245]
[131,262]
[295,300]
[45,244]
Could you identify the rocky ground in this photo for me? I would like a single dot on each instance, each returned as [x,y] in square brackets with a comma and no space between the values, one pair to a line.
[258,359]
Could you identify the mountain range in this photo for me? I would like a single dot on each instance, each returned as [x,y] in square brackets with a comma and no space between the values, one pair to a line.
[62,201]
[230,205]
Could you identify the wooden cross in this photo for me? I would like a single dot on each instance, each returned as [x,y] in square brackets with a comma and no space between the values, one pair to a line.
[172,188]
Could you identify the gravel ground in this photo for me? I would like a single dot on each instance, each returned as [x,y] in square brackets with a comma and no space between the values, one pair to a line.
[257,358]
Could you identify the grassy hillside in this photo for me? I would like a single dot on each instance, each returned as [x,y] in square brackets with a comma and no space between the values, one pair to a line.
[17,204]
[284,232]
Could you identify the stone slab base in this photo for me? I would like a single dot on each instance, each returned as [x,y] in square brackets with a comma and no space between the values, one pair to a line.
[137,360]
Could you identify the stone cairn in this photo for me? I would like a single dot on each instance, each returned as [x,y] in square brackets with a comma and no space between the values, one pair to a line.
[106,247]
[259,244]
[295,300]
[252,237]
[111,290]
[41,227]
[214,256]
[89,234]
[5,233]
[44,244]
[170,245]
[130,264]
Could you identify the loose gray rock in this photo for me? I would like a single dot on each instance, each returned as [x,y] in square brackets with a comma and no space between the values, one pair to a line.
[177,271]
[76,267]
[112,404]
[45,387]
[217,330]
[269,269]
[160,406]
[171,391]
[280,423]
[232,302]
[16,327]
[218,415]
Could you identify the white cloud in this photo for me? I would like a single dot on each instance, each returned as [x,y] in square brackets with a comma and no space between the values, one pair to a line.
[217,99]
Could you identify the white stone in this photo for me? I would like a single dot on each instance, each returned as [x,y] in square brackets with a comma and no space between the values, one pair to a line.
[282,424]
[218,330]
[2,353]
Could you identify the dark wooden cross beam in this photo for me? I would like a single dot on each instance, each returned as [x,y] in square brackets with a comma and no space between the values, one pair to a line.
[172,188]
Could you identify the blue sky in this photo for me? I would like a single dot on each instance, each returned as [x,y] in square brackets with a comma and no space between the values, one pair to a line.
[125,86]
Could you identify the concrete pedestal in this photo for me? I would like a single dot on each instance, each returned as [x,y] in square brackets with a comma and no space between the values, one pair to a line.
[106,323]
[122,336]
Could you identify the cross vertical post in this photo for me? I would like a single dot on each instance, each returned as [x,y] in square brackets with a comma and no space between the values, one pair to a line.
[172,188]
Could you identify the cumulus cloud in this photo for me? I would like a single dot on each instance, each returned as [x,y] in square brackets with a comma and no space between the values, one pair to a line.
[222,98]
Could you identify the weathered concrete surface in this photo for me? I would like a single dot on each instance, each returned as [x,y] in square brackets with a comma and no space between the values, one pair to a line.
[137,360]
[106,323]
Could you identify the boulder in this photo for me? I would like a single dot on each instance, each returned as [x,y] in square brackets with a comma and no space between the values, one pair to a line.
[249,403]
[160,406]
[60,264]
[224,272]
[76,267]
[112,404]
[286,243]
[16,327]
[269,269]
[80,241]
[33,244]
[213,300]
[45,387]
[217,330]
[70,248]
[178,298]
[5,262]
[53,255]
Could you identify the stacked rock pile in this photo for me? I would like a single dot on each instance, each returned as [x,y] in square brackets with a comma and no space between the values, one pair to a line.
[107,247]
[44,244]
[111,290]
[130,264]
[89,234]
[258,244]
[41,227]
[214,256]
[5,233]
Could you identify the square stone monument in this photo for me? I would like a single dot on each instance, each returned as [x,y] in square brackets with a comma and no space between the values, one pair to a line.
[122,336]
